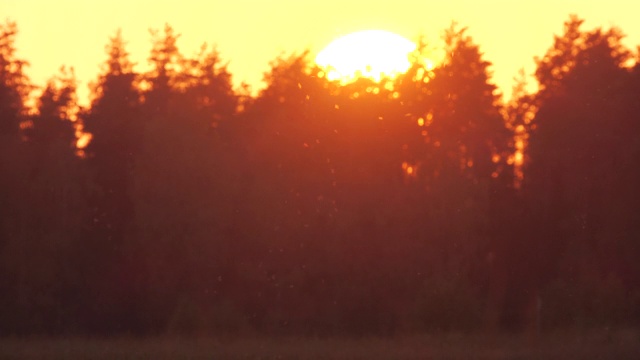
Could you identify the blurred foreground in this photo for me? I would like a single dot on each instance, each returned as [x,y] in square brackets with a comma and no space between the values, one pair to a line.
[604,344]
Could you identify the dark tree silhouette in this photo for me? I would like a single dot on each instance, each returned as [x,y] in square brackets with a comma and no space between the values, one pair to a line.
[14,85]
[114,122]
[47,274]
[462,166]
[181,205]
[577,183]
[14,88]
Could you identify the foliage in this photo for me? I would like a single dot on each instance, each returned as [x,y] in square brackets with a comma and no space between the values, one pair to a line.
[417,203]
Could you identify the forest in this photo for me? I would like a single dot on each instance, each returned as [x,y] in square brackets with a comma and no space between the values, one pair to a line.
[175,203]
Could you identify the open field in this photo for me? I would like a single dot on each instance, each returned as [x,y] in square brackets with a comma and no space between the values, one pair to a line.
[600,345]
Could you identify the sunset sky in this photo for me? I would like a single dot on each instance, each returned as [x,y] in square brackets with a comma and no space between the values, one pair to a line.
[251,33]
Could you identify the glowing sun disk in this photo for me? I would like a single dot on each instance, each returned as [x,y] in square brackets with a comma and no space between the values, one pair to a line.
[370,53]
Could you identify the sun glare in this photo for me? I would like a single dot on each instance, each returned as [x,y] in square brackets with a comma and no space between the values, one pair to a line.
[370,53]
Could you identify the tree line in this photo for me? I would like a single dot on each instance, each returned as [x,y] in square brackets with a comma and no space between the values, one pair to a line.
[424,202]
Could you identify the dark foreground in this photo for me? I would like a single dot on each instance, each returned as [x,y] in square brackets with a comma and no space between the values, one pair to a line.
[575,345]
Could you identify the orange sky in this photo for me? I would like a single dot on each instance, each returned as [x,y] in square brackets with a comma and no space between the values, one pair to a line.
[250,33]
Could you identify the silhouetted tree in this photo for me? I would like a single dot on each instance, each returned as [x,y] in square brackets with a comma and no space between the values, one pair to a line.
[578,181]
[56,202]
[181,206]
[114,122]
[14,85]
[462,166]
[14,88]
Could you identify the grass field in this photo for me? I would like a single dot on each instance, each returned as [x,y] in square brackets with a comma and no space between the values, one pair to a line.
[593,345]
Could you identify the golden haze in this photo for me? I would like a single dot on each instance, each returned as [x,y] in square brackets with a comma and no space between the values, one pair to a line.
[250,33]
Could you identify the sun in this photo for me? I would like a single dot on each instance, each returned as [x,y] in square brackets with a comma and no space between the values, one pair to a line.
[371,53]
